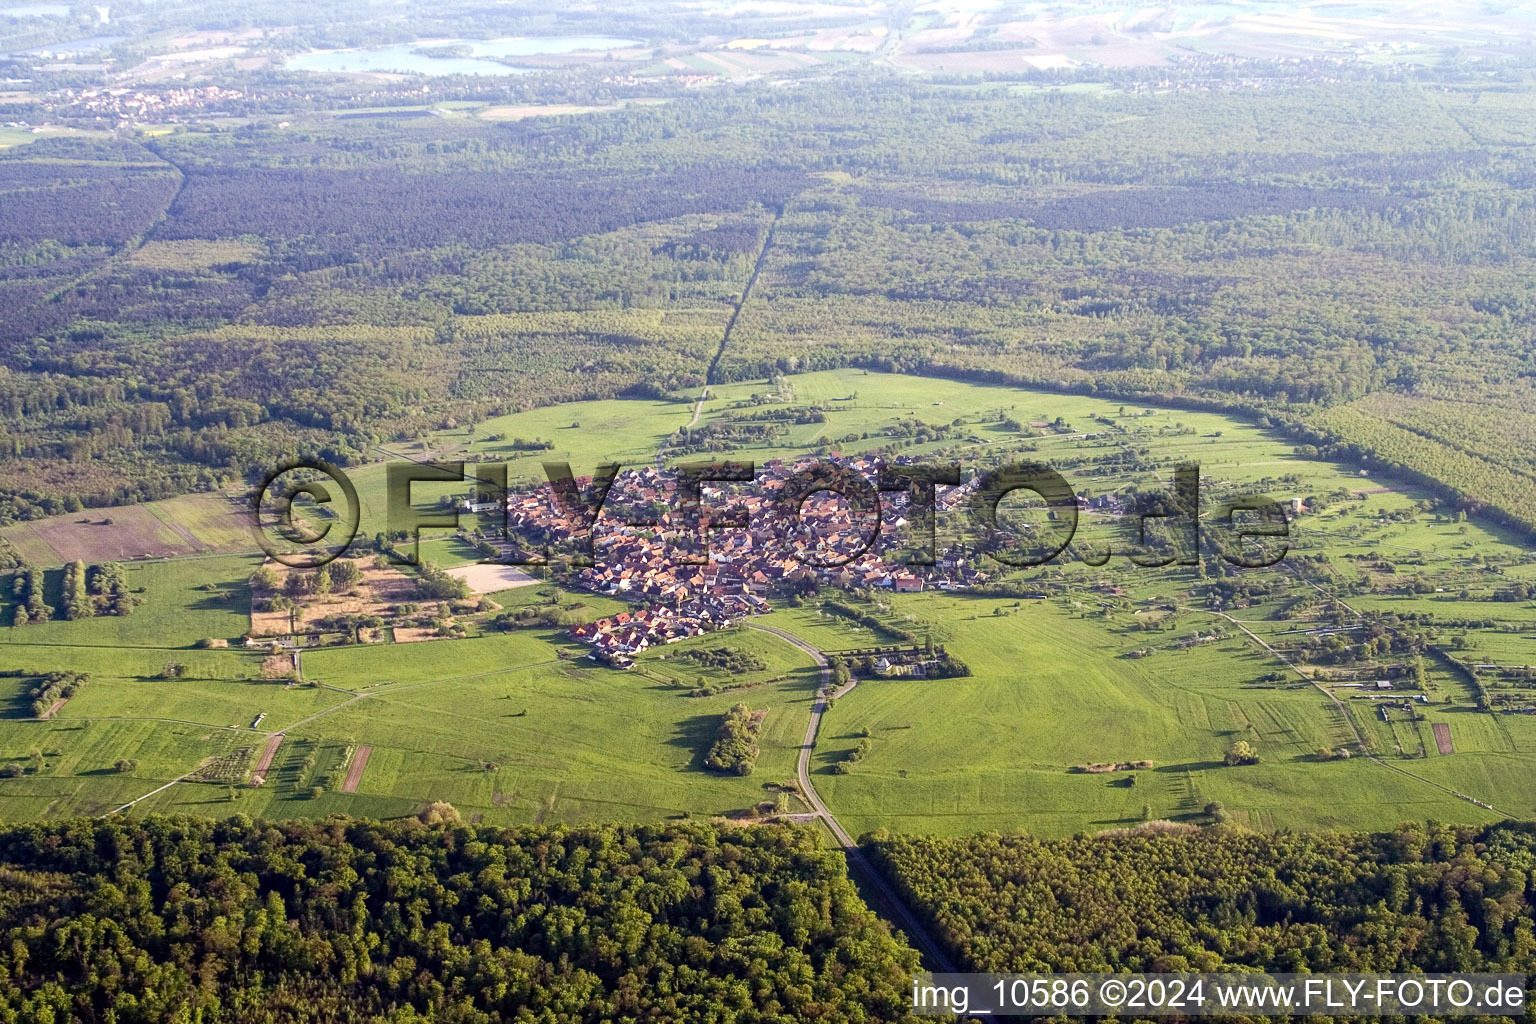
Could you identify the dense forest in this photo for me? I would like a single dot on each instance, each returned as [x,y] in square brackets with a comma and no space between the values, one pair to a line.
[1420,898]
[184,308]
[346,920]
[180,919]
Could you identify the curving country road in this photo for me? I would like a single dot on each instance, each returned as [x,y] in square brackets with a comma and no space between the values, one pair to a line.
[698,407]
[895,907]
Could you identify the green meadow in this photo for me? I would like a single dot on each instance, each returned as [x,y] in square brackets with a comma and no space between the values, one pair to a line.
[519,726]
[997,750]
[183,601]
[544,741]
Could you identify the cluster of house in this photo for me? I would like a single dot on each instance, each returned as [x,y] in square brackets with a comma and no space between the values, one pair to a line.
[1377,684]
[750,549]
[616,640]
[1108,504]
[912,662]
[152,104]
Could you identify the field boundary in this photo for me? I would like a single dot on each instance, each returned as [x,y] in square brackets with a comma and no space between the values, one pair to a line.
[355,768]
[268,755]
[1443,742]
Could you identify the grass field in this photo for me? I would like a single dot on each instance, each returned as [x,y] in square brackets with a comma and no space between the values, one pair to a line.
[563,742]
[567,741]
[514,727]
[184,601]
[995,750]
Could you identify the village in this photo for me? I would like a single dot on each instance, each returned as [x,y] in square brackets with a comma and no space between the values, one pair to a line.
[753,552]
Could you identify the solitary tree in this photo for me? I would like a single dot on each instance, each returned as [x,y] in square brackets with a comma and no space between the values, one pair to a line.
[440,812]
[1242,752]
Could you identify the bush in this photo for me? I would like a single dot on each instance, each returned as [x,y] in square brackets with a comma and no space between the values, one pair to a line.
[1242,752]
[440,812]
[434,584]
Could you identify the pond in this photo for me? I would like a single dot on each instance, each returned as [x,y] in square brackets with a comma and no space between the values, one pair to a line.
[72,48]
[417,58]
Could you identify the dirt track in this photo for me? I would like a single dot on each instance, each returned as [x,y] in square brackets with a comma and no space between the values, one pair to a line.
[355,769]
[268,754]
[1443,738]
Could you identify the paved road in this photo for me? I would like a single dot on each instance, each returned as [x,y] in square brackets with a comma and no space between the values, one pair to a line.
[895,907]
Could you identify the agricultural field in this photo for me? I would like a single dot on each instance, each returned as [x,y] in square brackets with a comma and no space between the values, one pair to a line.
[184,601]
[206,523]
[996,750]
[519,726]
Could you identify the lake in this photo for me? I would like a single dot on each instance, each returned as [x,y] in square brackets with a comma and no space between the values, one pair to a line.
[36,11]
[72,48]
[403,57]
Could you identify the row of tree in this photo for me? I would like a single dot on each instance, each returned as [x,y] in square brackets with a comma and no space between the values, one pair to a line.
[47,690]
[100,590]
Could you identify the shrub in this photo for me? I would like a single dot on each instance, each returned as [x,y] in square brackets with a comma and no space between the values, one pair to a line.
[1242,752]
[735,747]
[439,812]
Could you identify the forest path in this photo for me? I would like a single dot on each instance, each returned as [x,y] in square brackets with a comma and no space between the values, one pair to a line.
[725,337]
[129,246]
[746,293]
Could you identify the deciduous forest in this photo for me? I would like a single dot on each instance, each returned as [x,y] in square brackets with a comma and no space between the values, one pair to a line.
[336,921]
[1420,898]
